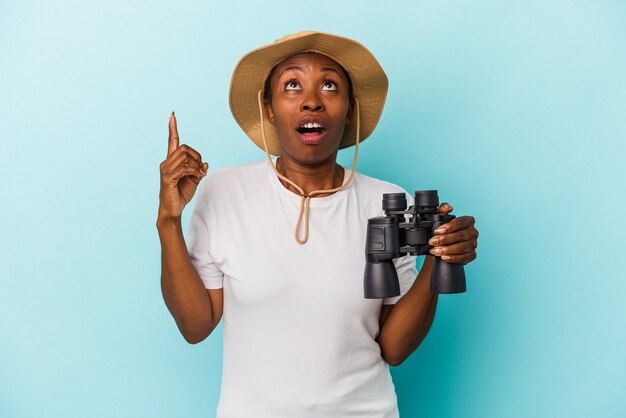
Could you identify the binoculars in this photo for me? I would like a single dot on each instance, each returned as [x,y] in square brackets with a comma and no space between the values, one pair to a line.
[405,231]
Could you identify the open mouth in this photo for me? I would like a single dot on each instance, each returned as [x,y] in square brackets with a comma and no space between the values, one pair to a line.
[311,129]
[311,133]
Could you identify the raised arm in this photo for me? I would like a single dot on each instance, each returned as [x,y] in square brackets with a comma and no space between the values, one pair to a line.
[196,310]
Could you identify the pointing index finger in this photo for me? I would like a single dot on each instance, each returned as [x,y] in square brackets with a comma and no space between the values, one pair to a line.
[172,142]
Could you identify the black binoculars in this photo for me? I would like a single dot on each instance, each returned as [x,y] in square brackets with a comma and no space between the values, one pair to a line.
[406,231]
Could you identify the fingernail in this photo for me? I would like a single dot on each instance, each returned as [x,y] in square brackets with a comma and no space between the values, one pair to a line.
[436,251]
[440,230]
[433,241]
[445,257]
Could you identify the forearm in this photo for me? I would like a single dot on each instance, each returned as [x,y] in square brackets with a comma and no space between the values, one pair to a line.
[184,293]
[410,319]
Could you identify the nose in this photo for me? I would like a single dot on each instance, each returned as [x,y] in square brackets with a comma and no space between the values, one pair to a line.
[312,102]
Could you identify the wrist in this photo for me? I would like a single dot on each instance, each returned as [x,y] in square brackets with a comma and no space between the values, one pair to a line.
[167,223]
[428,261]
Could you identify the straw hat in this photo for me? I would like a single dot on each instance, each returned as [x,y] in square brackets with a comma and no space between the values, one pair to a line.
[369,83]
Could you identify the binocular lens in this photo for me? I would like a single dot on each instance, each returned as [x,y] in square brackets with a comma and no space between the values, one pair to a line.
[394,201]
[426,198]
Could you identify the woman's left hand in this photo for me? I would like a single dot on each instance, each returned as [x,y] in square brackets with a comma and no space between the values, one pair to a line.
[455,241]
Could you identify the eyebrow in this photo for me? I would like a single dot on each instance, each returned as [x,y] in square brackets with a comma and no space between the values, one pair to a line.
[293,67]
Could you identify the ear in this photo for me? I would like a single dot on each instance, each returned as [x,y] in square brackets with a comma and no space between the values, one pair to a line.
[269,112]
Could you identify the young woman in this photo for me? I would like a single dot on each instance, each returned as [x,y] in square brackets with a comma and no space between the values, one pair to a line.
[300,339]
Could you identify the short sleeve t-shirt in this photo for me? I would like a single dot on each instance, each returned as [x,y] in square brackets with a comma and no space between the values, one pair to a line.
[299,336]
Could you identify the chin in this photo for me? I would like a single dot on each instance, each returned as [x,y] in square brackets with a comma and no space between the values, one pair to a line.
[310,154]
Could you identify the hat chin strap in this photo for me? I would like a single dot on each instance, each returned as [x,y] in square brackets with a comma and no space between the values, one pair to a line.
[306,197]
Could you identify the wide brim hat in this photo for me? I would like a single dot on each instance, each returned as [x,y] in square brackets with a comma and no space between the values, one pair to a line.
[369,83]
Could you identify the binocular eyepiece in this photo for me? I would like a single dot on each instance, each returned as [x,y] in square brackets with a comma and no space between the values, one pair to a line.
[406,231]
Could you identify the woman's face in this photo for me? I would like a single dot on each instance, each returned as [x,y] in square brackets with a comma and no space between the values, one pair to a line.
[310,107]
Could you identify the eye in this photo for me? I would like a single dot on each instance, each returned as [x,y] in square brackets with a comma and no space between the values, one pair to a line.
[329,85]
[292,85]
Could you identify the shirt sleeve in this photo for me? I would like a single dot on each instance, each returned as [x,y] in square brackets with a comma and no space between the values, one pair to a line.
[199,239]
[406,268]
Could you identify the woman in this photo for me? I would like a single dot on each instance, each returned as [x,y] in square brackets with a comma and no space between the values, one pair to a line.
[300,339]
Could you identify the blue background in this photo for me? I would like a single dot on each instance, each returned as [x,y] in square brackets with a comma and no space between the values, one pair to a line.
[515,111]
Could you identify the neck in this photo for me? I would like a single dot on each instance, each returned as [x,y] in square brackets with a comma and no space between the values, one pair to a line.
[321,176]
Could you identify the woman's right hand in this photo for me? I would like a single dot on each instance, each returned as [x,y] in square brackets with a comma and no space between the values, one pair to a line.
[181,172]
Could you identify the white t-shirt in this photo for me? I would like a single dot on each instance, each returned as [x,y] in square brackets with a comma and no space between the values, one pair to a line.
[299,336]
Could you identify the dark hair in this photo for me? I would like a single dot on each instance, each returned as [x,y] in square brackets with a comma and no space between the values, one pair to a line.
[267,89]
